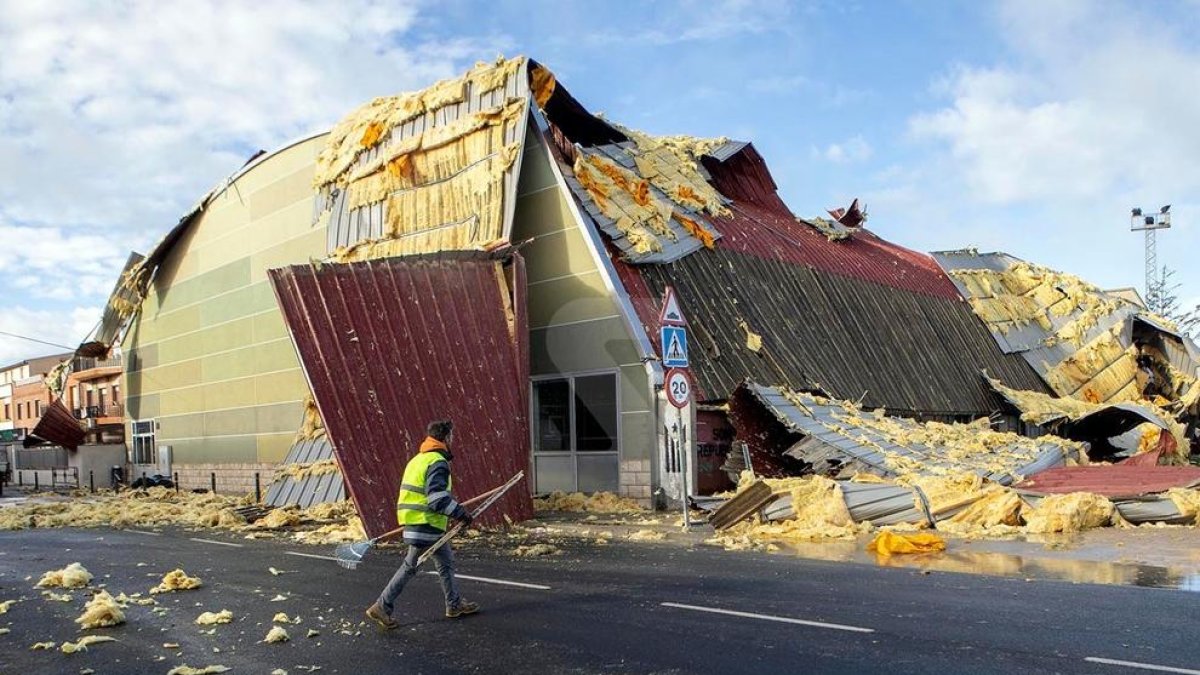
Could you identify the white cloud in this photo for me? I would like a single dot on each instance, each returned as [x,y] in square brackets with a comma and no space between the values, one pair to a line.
[61,328]
[1101,101]
[855,149]
[116,117]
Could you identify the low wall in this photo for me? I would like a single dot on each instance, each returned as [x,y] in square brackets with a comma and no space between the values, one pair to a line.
[231,478]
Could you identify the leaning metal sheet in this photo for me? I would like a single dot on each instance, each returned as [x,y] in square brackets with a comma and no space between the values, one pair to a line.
[389,345]
[309,490]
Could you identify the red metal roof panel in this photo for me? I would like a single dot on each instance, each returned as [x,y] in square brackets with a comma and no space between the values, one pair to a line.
[58,426]
[1114,480]
[389,345]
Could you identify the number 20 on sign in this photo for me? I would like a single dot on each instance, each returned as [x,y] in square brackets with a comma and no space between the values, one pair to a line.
[679,387]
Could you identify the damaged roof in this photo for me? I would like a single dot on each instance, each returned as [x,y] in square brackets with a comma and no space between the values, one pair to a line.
[1078,338]
[429,170]
[769,296]
[896,446]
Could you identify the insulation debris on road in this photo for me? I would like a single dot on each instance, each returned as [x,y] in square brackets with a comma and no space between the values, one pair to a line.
[74,575]
[100,612]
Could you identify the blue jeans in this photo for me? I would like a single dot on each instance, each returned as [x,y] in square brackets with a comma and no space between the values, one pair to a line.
[443,558]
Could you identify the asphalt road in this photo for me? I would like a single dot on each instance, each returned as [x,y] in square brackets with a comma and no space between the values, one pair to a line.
[621,608]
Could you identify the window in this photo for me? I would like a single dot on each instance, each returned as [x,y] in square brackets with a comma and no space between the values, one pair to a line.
[144,451]
[6,411]
[575,433]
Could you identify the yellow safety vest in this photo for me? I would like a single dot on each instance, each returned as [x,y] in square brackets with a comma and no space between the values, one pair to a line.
[411,507]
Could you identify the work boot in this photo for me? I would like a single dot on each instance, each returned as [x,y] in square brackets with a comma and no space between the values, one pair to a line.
[463,608]
[376,614]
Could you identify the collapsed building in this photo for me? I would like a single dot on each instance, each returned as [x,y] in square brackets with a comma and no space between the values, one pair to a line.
[489,251]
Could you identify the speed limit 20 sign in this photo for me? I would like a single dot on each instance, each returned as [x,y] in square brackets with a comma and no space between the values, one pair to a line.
[679,387]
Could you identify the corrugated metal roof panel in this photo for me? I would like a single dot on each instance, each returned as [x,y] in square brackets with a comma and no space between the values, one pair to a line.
[826,421]
[57,425]
[1113,480]
[902,350]
[311,489]
[389,345]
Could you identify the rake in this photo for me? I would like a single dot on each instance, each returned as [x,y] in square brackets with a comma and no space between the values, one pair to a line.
[350,555]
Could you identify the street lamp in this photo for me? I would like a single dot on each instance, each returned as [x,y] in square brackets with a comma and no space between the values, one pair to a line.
[1150,223]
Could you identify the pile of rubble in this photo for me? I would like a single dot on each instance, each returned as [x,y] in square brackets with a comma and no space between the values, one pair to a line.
[329,523]
[864,470]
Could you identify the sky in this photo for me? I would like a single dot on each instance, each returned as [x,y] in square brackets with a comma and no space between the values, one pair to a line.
[1027,127]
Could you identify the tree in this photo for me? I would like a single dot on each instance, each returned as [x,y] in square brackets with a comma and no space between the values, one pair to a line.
[1164,300]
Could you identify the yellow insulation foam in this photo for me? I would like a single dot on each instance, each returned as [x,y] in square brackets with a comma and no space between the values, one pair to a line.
[1187,501]
[83,643]
[176,580]
[298,472]
[373,122]
[1069,513]
[597,502]
[311,426]
[277,518]
[214,618]
[132,508]
[275,635]
[639,222]
[185,669]
[74,575]
[959,448]
[101,611]
[536,550]
[6,605]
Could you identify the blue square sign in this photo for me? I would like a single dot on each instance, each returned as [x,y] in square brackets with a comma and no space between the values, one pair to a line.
[674,347]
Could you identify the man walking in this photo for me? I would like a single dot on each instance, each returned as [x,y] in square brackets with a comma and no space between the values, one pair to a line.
[425,507]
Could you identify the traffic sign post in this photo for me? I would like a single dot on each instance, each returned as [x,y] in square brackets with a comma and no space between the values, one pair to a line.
[674,346]
[679,387]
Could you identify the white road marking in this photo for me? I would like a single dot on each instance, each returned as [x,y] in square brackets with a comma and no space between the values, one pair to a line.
[768,617]
[152,534]
[1142,666]
[311,555]
[501,582]
[214,541]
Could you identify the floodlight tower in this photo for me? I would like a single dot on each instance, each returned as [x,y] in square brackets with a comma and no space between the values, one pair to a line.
[1150,224]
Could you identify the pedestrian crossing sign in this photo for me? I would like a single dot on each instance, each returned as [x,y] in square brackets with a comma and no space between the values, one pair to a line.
[674,347]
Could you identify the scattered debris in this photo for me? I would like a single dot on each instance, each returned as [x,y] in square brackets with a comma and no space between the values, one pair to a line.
[577,502]
[71,576]
[83,643]
[100,612]
[185,669]
[276,634]
[278,518]
[213,618]
[176,580]
[647,535]
[135,599]
[313,632]
[4,606]
[279,598]
[535,550]
[39,646]
[282,617]
[58,597]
